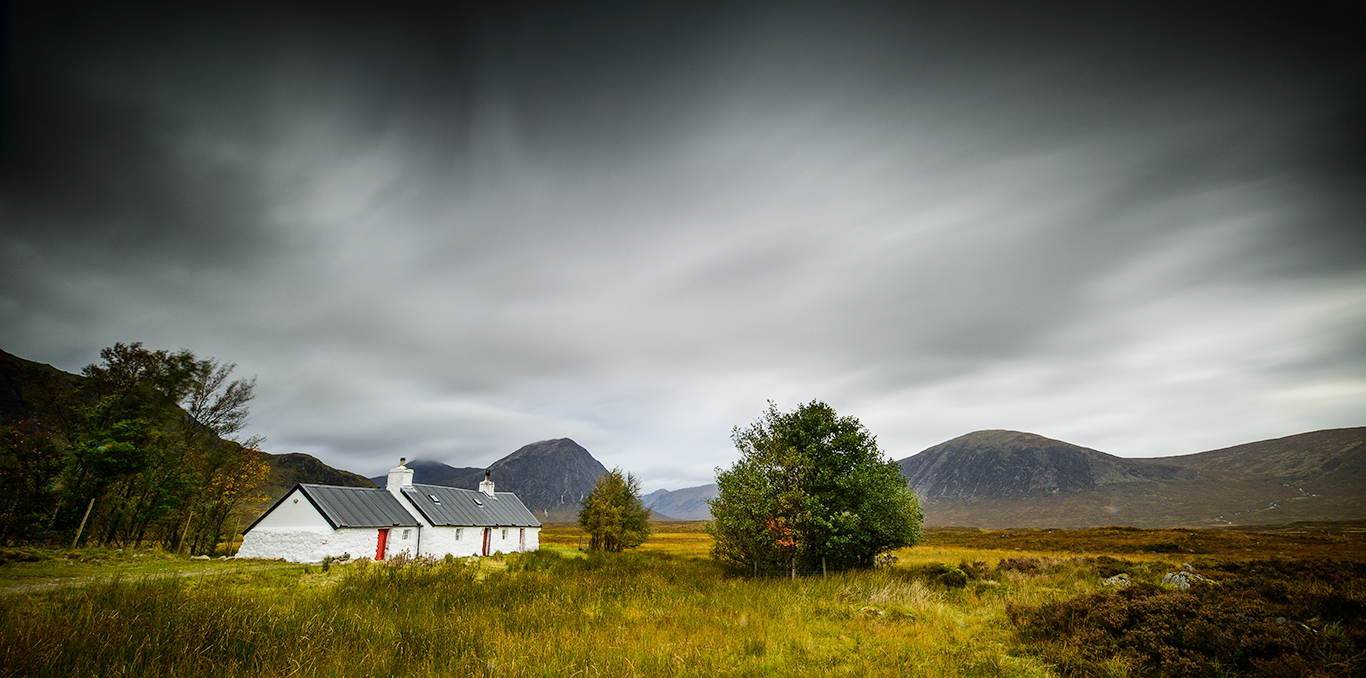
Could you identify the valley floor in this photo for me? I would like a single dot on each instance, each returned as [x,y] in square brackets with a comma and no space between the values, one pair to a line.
[1289,601]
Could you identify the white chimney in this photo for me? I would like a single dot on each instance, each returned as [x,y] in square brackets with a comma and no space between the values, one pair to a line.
[486,486]
[400,478]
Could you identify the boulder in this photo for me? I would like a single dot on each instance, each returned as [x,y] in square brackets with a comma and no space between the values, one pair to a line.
[1181,581]
[1118,581]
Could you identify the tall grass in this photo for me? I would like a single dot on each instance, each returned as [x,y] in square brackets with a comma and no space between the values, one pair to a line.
[559,612]
[540,615]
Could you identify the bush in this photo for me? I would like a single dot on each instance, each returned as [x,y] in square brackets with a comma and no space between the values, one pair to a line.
[1258,622]
[947,575]
[1025,565]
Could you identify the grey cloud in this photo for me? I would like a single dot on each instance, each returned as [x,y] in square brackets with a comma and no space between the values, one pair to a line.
[454,231]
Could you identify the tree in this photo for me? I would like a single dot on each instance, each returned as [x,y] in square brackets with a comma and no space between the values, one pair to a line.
[149,454]
[811,490]
[613,515]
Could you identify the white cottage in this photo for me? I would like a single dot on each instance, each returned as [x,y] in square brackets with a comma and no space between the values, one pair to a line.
[312,522]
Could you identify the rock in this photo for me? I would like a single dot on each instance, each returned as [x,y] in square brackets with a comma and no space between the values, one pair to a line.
[1118,581]
[1181,581]
[199,558]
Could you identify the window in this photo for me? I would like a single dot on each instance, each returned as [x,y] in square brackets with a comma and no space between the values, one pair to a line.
[505,534]
[477,501]
[434,498]
[459,533]
[405,534]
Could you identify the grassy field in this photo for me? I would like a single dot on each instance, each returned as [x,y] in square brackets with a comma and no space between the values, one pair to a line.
[965,603]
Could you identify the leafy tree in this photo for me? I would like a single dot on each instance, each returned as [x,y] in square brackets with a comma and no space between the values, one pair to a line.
[811,490]
[149,454]
[30,461]
[613,515]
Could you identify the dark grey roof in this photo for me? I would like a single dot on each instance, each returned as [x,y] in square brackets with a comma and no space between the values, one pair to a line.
[358,506]
[442,505]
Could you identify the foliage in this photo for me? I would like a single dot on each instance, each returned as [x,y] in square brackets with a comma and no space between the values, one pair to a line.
[948,575]
[30,462]
[811,492]
[612,514]
[136,450]
[1277,618]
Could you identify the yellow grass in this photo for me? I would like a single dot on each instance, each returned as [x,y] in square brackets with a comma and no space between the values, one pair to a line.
[664,609]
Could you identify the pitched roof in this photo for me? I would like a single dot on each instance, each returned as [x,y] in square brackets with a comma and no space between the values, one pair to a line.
[358,506]
[450,506]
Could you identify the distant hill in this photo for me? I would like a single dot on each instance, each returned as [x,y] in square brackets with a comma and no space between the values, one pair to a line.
[689,503]
[287,470]
[1013,479]
[550,476]
[28,388]
[429,472]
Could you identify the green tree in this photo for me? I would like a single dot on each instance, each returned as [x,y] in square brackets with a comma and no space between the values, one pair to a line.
[150,454]
[30,462]
[811,490]
[613,515]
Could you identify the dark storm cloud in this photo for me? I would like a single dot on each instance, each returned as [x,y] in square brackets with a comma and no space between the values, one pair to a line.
[449,230]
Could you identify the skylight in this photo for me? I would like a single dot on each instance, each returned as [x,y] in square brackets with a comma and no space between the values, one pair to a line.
[434,498]
[477,501]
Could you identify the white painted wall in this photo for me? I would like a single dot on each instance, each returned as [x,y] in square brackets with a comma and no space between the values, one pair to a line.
[403,539]
[311,545]
[295,511]
[462,542]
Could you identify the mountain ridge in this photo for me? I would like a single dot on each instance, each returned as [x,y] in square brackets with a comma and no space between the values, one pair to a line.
[550,476]
[1012,479]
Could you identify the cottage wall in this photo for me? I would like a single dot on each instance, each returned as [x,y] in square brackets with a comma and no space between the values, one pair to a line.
[469,541]
[459,542]
[296,511]
[310,545]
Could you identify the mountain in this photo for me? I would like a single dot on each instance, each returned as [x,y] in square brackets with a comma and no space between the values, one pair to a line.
[689,503]
[28,389]
[436,473]
[550,476]
[287,470]
[1014,479]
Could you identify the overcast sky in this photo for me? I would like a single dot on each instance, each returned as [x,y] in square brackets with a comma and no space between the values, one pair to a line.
[443,233]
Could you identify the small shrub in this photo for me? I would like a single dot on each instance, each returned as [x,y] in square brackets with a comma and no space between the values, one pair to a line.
[975,570]
[947,575]
[1025,565]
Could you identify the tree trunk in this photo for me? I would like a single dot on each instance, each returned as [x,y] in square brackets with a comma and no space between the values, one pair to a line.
[184,532]
[83,519]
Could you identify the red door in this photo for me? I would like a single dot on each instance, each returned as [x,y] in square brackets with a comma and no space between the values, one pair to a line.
[488,534]
[383,540]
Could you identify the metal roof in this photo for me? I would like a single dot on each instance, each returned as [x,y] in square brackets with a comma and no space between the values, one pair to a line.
[358,506]
[450,506]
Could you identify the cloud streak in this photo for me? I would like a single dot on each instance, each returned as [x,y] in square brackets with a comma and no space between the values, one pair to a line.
[447,234]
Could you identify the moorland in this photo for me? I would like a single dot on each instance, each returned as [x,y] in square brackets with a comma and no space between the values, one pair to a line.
[1271,600]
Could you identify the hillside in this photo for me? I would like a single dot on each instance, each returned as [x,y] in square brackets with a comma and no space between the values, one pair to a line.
[288,470]
[28,388]
[1011,479]
[550,476]
[429,472]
